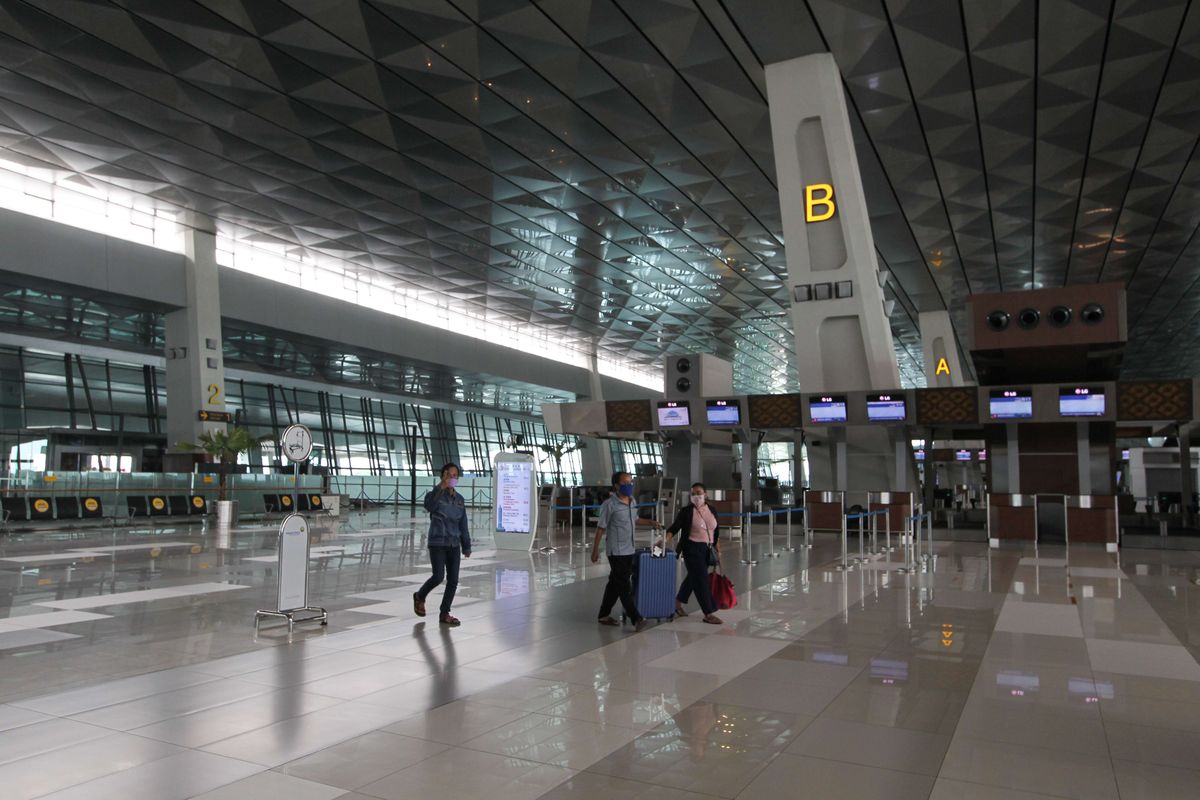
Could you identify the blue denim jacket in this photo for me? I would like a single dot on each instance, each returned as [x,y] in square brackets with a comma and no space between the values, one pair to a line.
[447,520]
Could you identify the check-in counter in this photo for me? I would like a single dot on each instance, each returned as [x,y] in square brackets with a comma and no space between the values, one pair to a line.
[899,506]
[1011,516]
[1093,519]
[825,510]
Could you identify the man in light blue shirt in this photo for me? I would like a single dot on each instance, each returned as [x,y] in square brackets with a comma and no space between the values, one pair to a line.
[618,519]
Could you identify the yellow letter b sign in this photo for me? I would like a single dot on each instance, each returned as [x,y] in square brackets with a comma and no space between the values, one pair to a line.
[818,207]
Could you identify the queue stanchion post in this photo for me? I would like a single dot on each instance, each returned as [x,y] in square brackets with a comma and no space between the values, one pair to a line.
[845,564]
[748,543]
[906,567]
[791,513]
[861,558]
[771,535]
[808,538]
[929,554]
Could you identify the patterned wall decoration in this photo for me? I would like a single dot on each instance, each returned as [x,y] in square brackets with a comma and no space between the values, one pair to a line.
[947,406]
[628,415]
[775,411]
[1158,400]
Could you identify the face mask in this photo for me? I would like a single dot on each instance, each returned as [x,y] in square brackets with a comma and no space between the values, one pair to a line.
[452,482]
[697,499]
[626,489]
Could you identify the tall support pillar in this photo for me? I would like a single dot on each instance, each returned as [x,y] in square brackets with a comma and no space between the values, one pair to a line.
[942,367]
[843,337]
[195,363]
[843,342]
[1187,482]
[596,458]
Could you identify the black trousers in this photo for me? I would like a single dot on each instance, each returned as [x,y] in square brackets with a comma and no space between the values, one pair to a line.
[695,560]
[620,586]
[445,561]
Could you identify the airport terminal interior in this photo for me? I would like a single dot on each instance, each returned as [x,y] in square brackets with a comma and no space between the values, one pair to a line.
[788,398]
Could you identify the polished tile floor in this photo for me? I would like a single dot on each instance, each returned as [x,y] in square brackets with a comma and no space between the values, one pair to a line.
[130,668]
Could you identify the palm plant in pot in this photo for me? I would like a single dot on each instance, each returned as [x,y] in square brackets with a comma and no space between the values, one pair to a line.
[223,448]
[560,450]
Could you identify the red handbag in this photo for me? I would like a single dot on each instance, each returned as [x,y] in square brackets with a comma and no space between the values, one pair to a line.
[722,590]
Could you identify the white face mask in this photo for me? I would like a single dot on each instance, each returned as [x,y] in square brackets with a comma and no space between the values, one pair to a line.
[697,499]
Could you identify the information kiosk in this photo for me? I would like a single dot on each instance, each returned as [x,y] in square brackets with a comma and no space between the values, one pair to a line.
[515,501]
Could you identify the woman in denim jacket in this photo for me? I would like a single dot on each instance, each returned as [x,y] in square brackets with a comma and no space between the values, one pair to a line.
[447,534]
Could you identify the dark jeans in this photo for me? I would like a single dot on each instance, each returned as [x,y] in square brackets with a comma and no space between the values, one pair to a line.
[620,585]
[445,562]
[695,560]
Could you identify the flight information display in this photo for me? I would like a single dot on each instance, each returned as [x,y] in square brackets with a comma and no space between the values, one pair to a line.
[886,408]
[514,491]
[674,414]
[1010,404]
[1081,401]
[962,455]
[723,412]
[828,408]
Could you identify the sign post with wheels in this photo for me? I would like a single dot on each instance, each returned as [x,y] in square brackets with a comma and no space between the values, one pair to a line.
[514,501]
[292,594]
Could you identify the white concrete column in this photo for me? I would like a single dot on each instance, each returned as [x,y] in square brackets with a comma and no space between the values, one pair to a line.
[596,458]
[842,343]
[942,367]
[195,364]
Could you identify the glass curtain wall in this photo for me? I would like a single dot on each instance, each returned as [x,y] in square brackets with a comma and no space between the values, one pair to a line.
[45,394]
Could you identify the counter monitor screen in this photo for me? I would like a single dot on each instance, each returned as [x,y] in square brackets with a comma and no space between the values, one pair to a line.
[983,455]
[828,408]
[673,414]
[723,412]
[920,454]
[1011,404]
[1124,455]
[886,408]
[1081,401]
[962,455]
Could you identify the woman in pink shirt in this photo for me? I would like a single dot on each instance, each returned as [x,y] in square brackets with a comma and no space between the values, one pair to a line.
[697,525]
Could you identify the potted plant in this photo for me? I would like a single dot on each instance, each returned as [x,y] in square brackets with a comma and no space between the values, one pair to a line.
[558,451]
[224,448]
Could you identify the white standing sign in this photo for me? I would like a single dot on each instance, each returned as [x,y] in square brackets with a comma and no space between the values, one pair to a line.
[514,500]
[293,563]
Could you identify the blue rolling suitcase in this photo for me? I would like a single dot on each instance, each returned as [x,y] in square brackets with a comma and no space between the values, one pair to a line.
[654,584]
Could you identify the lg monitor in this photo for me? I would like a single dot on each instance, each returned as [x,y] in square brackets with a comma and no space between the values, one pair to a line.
[1011,404]
[828,408]
[983,455]
[673,414]
[723,412]
[962,455]
[1081,401]
[920,455]
[886,408]
[1124,455]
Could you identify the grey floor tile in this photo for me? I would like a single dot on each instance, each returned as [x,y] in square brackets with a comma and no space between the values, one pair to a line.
[77,701]
[837,782]
[1163,746]
[468,773]
[79,764]
[873,746]
[232,719]
[361,760]
[41,737]
[176,777]
[946,789]
[1056,772]
[273,785]
[1142,781]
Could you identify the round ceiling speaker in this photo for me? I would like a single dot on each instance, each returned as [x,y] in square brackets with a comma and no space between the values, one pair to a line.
[1092,314]
[683,384]
[998,320]
[683,365]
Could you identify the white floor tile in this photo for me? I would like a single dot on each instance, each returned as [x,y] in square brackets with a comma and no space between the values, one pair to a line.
[1140,658]
[141,596]
[270,785]
[1047,619]
[720,655]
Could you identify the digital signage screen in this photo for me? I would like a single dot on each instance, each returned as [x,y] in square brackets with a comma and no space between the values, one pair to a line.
[1081,401]
[723,412]
[830,408]
[886,408]
[920,454]
[983,455]
[962,455]
[673,414]
[1010,404]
